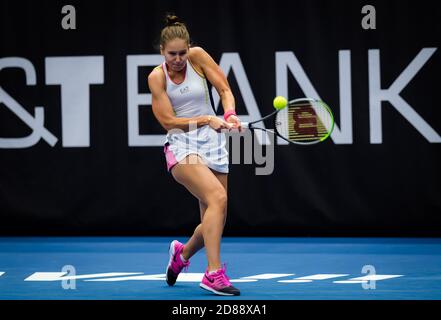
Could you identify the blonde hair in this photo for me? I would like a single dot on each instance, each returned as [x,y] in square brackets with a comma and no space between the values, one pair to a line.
[174,29]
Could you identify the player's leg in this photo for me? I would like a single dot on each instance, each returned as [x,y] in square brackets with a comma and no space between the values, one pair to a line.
[223,179]
[204,185]
[196,242]
[210,188]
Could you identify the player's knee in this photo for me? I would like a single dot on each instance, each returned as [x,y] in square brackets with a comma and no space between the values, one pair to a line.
[218,198]
[223,199]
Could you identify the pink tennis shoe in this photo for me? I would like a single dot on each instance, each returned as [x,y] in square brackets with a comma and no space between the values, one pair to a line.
[218,283]
[175,264]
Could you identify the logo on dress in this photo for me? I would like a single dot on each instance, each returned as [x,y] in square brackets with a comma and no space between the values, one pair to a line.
[184,90]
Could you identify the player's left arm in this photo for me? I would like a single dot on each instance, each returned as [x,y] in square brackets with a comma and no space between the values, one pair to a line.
[217,78]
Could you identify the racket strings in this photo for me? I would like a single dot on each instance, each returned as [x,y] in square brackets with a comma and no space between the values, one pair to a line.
[305,122]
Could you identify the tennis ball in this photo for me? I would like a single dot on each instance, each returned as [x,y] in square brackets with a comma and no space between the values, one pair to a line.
[279,102]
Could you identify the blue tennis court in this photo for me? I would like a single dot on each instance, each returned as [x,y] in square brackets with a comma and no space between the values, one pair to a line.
[123,268]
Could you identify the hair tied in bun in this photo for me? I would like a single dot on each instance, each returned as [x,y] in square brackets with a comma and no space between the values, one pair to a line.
[171,20]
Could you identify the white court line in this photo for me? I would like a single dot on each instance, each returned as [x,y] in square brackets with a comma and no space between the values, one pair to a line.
[145,277]
[374,277]
[59,276]
[183,277]
[266,276]
[321,276]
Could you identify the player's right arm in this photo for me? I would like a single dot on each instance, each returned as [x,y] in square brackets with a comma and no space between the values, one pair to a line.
[163,110]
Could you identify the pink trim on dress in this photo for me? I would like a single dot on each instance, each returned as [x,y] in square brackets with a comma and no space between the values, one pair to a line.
[170,158]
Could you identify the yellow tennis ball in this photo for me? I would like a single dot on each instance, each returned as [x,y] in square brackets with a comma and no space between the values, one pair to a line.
[279,102]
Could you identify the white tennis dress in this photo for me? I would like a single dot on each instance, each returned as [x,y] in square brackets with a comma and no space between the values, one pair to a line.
[191,99]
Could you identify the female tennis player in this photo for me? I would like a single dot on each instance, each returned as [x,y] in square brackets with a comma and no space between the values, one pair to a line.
[195,145]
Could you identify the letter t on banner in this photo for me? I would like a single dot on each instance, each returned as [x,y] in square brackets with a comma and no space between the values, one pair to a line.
[75,75]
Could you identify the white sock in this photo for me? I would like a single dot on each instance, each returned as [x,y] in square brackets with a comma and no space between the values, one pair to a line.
[182,258]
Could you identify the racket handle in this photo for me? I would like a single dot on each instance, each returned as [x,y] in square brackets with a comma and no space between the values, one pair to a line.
[245,124]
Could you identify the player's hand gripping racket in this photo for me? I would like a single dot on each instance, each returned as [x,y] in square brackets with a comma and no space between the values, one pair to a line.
[301,121]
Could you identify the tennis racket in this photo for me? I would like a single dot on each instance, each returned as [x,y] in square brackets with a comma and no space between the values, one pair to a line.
[302,121]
